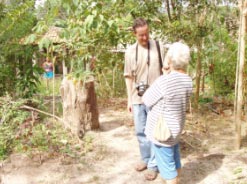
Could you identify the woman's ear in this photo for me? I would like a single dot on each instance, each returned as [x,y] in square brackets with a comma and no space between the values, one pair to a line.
[167,62]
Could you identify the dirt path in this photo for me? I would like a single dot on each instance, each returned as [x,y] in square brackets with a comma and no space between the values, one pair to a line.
[213,162]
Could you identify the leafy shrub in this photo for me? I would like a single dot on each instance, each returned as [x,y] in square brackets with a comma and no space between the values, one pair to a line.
[11,117]
[23,131]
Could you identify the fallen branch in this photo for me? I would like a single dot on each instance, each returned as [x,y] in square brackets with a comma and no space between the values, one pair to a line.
[193,125]
[189,144]
[43,112]
[192,136]
[213,110]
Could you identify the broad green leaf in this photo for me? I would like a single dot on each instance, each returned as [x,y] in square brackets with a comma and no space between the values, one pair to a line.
[89,21]
[30,39]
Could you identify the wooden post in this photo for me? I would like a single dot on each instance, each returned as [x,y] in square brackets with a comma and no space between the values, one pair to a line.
[239,70]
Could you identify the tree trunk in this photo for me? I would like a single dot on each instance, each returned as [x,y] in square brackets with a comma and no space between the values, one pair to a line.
[239,71]
[198,75]
[203,82]
[65,69]
[92,106]
[80,112]
[168,10]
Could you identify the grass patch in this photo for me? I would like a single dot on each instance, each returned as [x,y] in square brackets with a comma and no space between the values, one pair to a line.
[203,100]
[45,88]
[238,170]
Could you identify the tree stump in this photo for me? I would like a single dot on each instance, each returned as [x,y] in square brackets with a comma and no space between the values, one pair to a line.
[80,110]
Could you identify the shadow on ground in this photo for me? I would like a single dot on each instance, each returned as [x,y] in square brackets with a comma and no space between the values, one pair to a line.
[195,171]
[110,125]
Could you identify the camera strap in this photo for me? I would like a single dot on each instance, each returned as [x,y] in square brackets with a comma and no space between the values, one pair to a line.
[160,59]
[148,59]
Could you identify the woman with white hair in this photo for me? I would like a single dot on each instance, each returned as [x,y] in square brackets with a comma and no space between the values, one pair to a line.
[168,96]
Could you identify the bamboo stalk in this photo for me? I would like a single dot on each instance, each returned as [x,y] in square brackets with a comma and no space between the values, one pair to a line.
[53,82]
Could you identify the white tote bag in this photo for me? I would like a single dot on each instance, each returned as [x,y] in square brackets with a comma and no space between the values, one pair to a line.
[161,131]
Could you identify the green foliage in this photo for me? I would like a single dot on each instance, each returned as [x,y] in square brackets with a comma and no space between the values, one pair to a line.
[88,143]
[26,84]
[220,56]
[5,85]
[17,20]
[24,76]
[45,87]
[204,100]
[44,95]
[20,133]
[42,137]
[209,29]
[109,74]
[238,170]
[11,117]
[93,28]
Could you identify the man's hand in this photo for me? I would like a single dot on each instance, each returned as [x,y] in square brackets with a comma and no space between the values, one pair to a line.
[129,82]
[129,107]
[166,70]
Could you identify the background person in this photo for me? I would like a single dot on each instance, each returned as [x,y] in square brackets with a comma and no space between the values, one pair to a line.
[48,67]
[169,96]
[142,66]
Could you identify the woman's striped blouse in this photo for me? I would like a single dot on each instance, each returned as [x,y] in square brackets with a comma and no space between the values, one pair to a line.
[168,96]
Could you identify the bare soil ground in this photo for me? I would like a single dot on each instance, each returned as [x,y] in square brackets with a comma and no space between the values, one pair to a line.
[207,149]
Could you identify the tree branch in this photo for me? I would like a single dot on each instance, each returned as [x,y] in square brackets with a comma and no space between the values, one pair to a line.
[43,112]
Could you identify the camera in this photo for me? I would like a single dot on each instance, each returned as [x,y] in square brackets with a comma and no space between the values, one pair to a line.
[141,88]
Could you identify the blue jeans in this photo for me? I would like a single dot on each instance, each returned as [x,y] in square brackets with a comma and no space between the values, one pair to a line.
[145,146]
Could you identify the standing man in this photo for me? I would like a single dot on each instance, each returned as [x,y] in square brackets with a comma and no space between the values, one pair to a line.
[143,63]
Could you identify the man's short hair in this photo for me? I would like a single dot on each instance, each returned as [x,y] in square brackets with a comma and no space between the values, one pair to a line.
[139,22]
